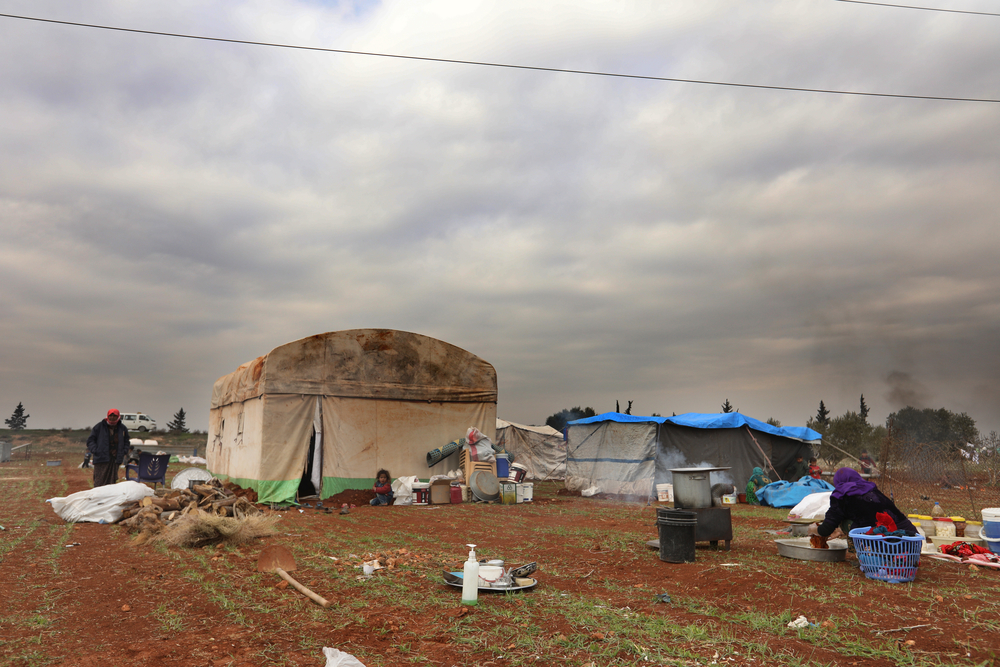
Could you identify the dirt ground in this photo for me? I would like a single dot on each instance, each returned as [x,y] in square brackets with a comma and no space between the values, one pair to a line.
[81,594]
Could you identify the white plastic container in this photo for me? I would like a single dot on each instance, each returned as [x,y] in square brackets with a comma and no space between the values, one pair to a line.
[665,493]
[421,493]
[489,574]
[470,578]
[525,492]
[944,527]
[972,529]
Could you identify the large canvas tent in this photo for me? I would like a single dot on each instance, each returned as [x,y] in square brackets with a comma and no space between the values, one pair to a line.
[331,409]
[628,454]
[541,449]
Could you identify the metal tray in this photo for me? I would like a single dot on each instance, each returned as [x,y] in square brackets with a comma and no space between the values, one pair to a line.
[799,549]
[484,485]
[456,579]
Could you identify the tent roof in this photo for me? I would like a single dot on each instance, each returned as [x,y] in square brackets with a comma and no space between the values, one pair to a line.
[717,420]
[543,430]
[363,363]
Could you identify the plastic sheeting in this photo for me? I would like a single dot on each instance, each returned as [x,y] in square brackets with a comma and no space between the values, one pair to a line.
[790,494]
[618,458]
[614,451]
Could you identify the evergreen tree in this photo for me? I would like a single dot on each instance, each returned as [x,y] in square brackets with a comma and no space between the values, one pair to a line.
[559,419]
[864,408]
[822,415]
[727,407]
[18,420]
[774,422]
[178,425]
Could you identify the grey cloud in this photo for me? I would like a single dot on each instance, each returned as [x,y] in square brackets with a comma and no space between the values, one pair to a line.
[592,238]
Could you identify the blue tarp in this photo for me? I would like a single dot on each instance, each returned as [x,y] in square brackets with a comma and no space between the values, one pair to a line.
[700,420]
[790,494]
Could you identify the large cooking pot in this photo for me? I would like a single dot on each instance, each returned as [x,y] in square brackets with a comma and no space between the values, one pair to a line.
[693,486]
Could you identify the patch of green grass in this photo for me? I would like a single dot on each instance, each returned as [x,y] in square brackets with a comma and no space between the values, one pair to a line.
[169,620]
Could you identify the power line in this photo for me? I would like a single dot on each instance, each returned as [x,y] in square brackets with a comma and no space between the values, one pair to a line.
[926,9]
[508,65]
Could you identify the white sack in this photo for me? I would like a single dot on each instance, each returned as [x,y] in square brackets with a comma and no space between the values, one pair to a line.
[100,505]
[402,490]
[337,658]
[813,506]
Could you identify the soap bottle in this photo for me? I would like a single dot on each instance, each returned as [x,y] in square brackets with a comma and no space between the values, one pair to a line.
[470,578]
[937,511]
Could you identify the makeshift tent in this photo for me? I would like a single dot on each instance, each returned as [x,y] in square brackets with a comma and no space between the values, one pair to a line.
[628,454]
[328,411]
[541,449]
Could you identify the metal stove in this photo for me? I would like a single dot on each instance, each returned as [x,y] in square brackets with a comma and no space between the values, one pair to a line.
[693,493]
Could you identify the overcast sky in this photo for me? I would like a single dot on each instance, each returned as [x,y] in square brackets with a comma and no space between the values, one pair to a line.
[172,208]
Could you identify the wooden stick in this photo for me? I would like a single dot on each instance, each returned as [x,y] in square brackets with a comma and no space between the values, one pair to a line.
[322,602]
[909,627]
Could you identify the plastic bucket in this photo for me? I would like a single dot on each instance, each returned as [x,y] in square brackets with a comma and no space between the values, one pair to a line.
[729,499]
[503,466]
[517,473]
[665,493]
[525,492]
[421,493]
[991,528]
[676,529]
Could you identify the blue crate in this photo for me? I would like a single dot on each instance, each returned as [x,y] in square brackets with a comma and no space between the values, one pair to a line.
[892,559]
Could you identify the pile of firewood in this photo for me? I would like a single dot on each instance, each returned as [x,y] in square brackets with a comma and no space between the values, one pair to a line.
[214,497]
[215,510]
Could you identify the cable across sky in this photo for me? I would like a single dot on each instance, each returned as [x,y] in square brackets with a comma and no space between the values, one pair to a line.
[536,68]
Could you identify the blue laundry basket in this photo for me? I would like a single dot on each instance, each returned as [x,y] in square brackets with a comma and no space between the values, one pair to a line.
[891,559]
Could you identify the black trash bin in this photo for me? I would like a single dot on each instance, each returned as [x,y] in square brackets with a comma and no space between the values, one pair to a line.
[676,529]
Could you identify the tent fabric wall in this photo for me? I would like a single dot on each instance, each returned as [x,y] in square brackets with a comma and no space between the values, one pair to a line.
[541,449]
[364,435]
[618,458]
[685,446]
[385,398]
[633,452]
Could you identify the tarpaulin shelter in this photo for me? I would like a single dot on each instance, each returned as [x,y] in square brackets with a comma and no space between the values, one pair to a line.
[628,454]
[541,449]
[330,410]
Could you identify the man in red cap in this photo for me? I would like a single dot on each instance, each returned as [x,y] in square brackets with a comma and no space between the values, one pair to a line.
[108,445]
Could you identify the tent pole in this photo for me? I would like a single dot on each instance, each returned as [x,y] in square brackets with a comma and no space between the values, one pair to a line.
[761,449]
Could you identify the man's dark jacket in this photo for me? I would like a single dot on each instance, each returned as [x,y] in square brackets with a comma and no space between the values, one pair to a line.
[99,442]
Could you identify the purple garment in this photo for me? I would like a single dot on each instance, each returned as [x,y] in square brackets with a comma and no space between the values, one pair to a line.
[848,482]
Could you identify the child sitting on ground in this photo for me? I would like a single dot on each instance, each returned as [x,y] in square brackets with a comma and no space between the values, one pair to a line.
[814,470]
[383,488]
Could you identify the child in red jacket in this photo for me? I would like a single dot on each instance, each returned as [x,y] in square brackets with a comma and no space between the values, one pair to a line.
[814,470]
[383,488]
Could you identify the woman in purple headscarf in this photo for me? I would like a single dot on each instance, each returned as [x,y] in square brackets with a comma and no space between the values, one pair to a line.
[854,503]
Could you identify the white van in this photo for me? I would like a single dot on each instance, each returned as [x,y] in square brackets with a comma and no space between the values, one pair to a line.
[136,421]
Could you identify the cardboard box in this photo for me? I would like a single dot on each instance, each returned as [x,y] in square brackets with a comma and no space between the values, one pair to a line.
[441,492]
